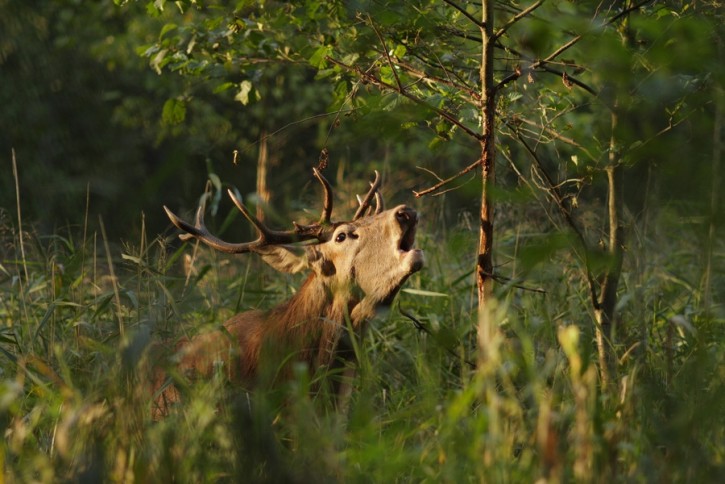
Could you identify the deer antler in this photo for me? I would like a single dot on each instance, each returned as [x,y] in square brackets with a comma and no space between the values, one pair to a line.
[267,236]
[372,193]
[379,203]
[319,231]
[327,204]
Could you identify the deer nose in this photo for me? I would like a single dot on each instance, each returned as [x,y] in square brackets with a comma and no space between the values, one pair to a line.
[406,215]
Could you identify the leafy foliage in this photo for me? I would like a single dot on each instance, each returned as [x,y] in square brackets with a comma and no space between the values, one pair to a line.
[117,109]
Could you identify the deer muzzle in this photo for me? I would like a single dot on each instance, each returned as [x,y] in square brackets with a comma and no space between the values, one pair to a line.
[407,218]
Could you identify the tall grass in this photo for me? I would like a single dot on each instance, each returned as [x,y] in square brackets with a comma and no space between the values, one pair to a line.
[76,333]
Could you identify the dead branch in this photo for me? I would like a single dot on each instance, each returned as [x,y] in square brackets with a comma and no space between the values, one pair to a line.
[441,183]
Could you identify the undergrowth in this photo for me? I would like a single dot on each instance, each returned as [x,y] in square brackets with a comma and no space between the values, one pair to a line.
[80,314]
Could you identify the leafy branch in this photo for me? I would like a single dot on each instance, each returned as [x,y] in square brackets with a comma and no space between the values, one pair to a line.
[372,79]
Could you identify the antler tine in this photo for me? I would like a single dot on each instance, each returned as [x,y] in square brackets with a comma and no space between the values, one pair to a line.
[266,235]
[327,204]
[379,203]
[199,231]
[261,228]
[198,221]
[368,198]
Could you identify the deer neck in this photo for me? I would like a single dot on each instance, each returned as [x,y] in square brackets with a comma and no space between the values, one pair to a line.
[318,304]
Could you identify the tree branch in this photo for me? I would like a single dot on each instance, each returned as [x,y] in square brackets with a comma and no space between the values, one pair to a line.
[555,134]
[422,328]
[386,54]
[627,11]
[470,17]
[543,65]
[559,202]
[559,51]
[500,32]
[570,78]
[441,183]
[424,76]
[384,85]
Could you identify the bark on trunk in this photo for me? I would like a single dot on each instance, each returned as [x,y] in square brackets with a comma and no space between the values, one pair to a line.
[484,268]
[488,111]
[605,313]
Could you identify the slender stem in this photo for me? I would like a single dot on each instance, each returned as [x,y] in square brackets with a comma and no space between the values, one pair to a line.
[114,280]
[387,55]
[466,14]
[717,149]
[516,18]
[20,218]
[559,202]
[442,183]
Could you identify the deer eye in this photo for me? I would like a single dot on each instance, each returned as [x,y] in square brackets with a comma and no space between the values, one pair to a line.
[340,237]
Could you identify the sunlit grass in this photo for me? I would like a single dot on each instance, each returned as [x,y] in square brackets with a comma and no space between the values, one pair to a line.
[75,401]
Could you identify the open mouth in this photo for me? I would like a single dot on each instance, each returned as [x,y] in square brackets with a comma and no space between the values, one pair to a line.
[408,221]
[407,240]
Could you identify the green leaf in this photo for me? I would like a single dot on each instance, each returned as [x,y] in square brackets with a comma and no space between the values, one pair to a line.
[166,29]
[152,10]
[245,87]
[174,112]
[318,58]
[513,96]
[386,75]
[223,87]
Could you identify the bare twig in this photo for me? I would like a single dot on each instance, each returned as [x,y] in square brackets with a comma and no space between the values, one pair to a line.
[569,78]
[386,54]
[441,183]
[507,280]
[559,202]
[431,172]
[627,11]
[559,51]
[556,135]
[422,328]
[470,17]
[543,64]
[500,32]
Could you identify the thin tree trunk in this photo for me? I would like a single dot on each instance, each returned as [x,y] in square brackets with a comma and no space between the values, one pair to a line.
[484,268]
[605,313]
[717,149]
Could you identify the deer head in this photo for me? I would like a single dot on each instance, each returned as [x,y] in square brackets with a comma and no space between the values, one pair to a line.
[373,251]
[354,265]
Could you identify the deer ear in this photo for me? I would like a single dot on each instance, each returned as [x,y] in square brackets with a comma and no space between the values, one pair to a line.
[285,258]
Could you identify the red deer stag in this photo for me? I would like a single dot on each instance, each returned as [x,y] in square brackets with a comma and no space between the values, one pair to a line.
[354,267]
